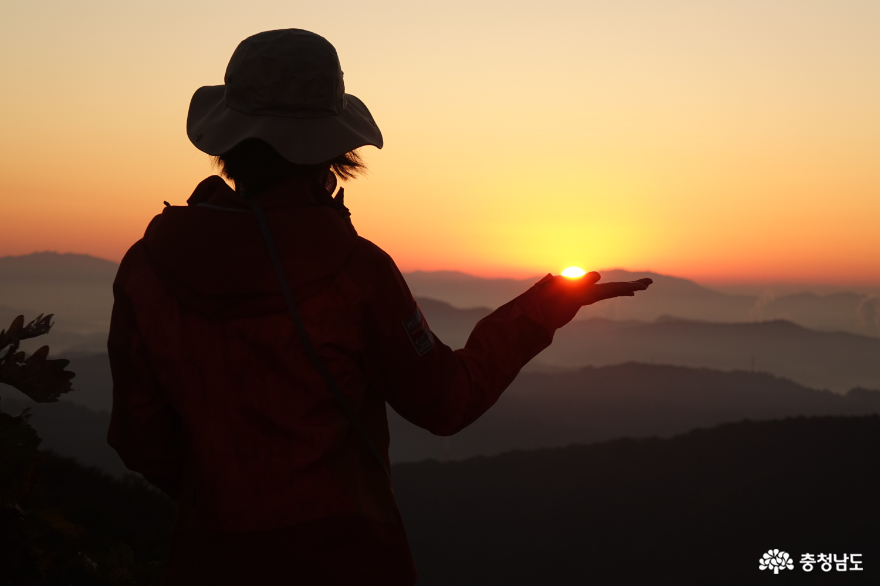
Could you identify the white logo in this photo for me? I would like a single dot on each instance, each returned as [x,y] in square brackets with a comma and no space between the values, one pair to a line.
[775,560]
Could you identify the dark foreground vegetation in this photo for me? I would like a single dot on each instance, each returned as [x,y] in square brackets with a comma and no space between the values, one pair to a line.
[700,508]
[62,523]
[79,526]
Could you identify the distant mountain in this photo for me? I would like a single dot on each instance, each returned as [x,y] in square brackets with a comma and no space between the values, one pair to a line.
[93,382]
[53,266]
[822,360]
[69,430]
[452,325]
[668,296]
[465,291]
[698,509]
[837,361]
[538,410]
[629,400]
[77,288]
[849,312]
[834,361]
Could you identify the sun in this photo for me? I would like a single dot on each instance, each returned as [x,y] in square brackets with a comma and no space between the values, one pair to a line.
[574,272]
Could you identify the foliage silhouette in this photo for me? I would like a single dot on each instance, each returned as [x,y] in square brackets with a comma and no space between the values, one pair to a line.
[60,523]
[37,377]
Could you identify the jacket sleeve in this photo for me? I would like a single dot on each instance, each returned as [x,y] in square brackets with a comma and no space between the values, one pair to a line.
[144,427]
[425,381]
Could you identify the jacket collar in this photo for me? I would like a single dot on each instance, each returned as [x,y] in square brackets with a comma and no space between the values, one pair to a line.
[297,191]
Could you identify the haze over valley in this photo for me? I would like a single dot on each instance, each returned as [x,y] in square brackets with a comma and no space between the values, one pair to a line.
[656,365]
[77,288]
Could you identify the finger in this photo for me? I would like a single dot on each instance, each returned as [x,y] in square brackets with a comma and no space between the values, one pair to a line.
[624,289]
[603,291]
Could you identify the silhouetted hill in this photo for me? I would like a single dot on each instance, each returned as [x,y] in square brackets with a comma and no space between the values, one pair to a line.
[93,381]
[50,267]
[70,430]
[77,288]
[670,296]
[634,400]
[700,508]
[836,311]
[451,324]
[836,361]
[833,360]
[538,410]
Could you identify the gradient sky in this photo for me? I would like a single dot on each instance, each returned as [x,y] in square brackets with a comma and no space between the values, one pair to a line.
[721,141]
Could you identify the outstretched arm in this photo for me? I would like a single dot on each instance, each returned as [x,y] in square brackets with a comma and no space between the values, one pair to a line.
[445,390]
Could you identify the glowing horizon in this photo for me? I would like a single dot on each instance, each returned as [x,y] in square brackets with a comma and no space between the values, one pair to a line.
[719,142]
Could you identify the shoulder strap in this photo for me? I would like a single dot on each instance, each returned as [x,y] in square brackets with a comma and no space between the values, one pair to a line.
[306,341]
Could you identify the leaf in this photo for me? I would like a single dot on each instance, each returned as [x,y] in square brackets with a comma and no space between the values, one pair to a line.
[10,336]
[18,331]
[41,325]
[40,379]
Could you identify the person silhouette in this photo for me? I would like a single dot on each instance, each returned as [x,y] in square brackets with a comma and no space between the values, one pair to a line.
[256,339]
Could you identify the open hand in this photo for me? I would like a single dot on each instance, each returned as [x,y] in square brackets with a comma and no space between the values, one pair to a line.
[564,296]
[592,291]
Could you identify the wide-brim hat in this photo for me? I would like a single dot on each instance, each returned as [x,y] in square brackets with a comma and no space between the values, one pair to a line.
[284,87]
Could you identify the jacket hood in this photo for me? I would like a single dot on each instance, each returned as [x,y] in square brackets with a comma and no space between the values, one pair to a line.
[211,257]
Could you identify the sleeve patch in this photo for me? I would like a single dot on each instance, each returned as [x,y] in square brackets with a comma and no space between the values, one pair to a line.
[419,333]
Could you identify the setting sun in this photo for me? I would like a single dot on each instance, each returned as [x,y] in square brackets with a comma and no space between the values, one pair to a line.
[573,272]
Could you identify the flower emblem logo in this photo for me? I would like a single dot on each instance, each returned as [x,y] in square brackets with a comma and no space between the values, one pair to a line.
[775,560]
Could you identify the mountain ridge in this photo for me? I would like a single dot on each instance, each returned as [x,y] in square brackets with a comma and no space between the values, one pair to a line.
[538,410]
[77,289]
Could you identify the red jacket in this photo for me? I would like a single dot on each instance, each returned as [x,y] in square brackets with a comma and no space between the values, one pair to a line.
[216,403]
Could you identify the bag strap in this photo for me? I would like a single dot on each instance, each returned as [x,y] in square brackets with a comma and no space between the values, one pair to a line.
[306,341]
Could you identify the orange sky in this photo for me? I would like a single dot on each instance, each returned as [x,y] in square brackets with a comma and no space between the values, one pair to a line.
[721,141]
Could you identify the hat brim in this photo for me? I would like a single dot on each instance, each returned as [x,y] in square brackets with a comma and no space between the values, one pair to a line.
[215,128]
